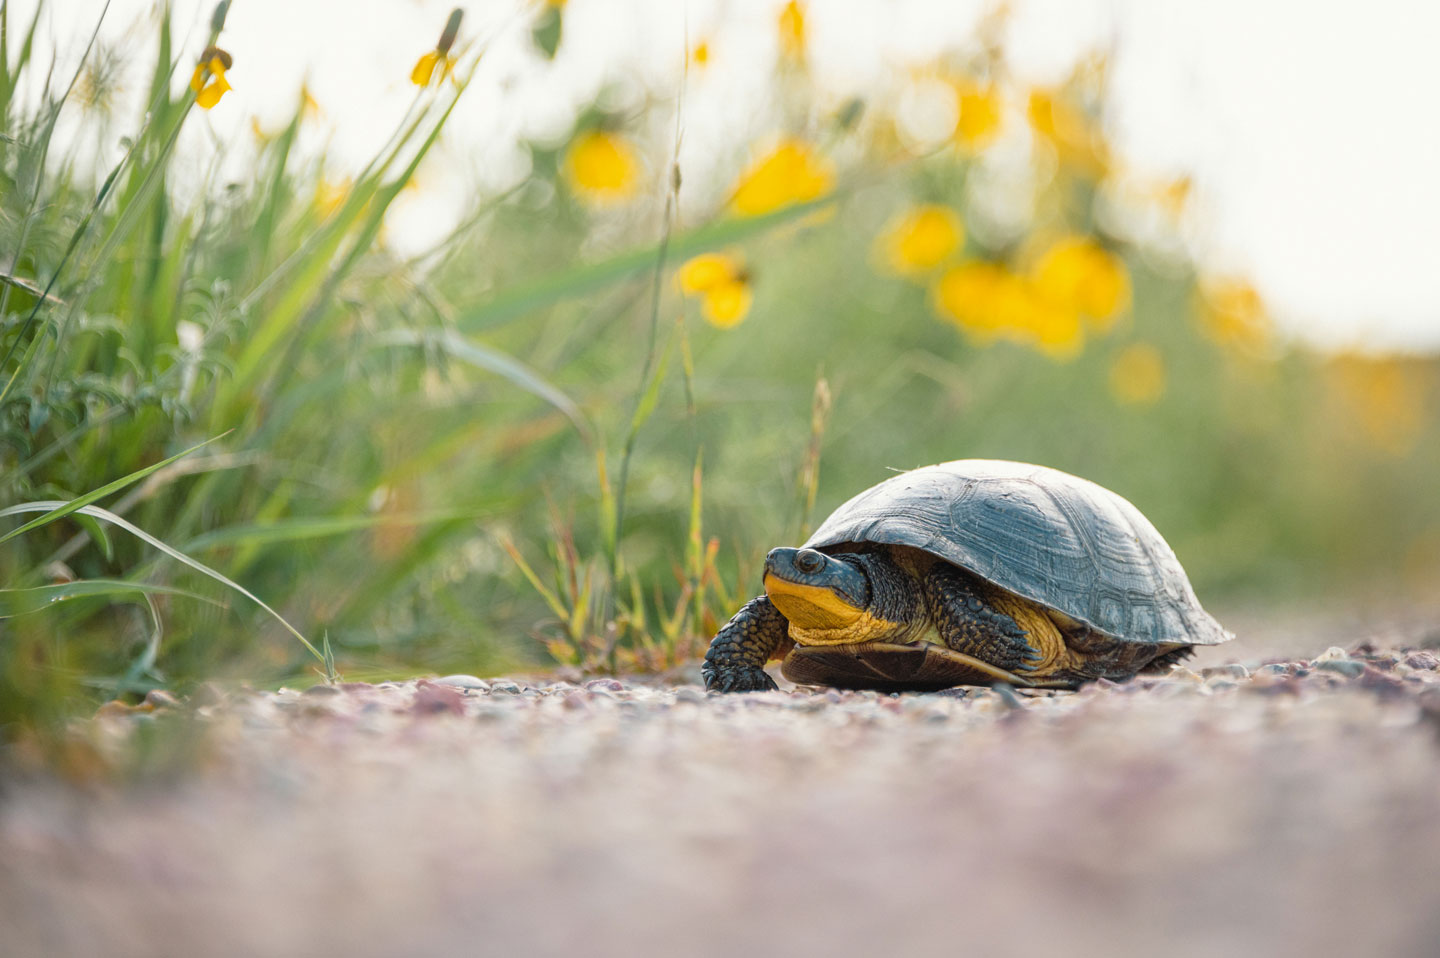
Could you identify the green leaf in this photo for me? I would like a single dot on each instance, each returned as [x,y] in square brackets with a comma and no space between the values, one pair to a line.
[547,29]
[24,601]
[315,527]
[63,509]
[170,551]
[495,361]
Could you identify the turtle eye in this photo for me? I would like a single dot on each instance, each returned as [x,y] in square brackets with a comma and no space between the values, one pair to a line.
[808,560]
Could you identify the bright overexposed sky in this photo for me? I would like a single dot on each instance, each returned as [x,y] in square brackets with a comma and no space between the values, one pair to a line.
[1306,124]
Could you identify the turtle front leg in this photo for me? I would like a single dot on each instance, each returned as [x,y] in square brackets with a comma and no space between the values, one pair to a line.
[971,625]
[736,659]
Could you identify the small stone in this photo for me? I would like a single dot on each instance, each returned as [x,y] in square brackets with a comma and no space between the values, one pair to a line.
[1423,659]
[431,699]
[576,701]
[207,693]
[1220,684]
[1332,654]
[461,681]
[1346,667]
[1382,684]
[689,693]
[321,690]
[1233,670]
[504,687]
[604,685]
[1274,668]
[161,699]
[1178,673]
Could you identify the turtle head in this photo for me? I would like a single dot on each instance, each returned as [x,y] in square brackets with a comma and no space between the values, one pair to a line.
[816,591]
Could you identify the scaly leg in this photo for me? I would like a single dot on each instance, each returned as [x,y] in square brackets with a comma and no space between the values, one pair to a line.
[970,625]
[736,659]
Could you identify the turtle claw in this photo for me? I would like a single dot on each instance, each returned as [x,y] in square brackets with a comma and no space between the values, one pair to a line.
[743,679]
[1033,654]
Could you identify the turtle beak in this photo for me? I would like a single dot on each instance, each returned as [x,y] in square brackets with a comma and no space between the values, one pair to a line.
[796,576]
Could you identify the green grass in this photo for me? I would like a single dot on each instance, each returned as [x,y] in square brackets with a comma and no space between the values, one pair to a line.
[512,452]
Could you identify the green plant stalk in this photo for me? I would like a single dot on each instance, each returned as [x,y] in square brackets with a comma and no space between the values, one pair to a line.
[52,506]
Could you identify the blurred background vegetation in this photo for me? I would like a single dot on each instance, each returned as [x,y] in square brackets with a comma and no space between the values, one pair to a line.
[568,433]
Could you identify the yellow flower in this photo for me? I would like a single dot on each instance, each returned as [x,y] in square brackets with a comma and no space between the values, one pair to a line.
[208,81]
[723,284]
[989,302]
[973,296]
[700,56]
[1080,274]
[1387,395]
[602,167]
[424,70]
[1233,314]
[920,240]
[1077,143]
[978,119]
[1137,375]
[792,173]
[330,195]
[1054,328]
[792,31]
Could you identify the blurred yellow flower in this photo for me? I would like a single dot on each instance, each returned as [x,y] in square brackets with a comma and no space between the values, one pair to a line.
[1077,143]
[792,31]
[1233,314]
[1056,329]
[330,195]
[424,70]
[1080,274]
[1137,375]
[602,167]
[792,173]
[1387,395]
[978,119]
[920,239]
[208,81]
[988,302]
[974,296]
[700,56]
[722,283]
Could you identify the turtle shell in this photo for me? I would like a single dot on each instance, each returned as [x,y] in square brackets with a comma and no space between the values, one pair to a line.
[1045,535]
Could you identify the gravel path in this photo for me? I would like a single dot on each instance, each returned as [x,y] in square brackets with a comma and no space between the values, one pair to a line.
[1283,809]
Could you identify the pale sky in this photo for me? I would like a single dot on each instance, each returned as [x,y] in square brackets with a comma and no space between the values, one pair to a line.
[1307,124]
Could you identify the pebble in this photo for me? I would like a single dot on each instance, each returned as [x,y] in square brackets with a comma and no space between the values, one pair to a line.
[604,685]
[1233,670]
[1423,659]
[504,687]
[321,690]
[161,699]
[1345,666]
[688,693]
[463,682]
[1332,654]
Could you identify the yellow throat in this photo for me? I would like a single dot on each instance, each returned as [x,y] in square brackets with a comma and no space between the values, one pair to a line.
[811,606]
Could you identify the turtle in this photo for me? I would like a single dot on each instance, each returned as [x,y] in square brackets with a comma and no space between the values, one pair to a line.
[972,572]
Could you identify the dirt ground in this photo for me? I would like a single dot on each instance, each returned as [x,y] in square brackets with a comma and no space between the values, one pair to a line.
[1289,807]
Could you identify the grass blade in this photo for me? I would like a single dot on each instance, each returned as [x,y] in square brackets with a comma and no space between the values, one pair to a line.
[15,602]
[495,361]
[172,552]
[63,509]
